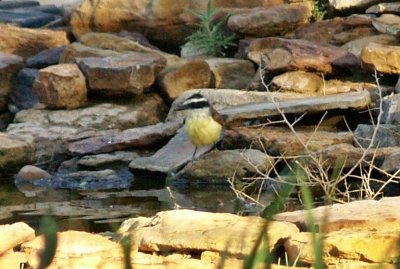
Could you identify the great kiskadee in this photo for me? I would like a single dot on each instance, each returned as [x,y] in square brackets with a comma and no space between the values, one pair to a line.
[201,127]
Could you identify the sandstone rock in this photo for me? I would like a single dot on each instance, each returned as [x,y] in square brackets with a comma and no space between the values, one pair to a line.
[61,86]
[166,23]
[12,235]
[9,66]
[341,30]
[31,173]
[14,152]
[388,24]
[382,58]
[45,58]
[146,110]
[356,101]
[349,245]
[74,245]
[28,42]
[21,95]
[356,46]
[122,44]
[334,86]
[279,55]
[12,259]
[135,137]
[386,136]
[191,74]
[297,81]
[273,21]
[200,231]
[229,73]
[77,50]
[384,8]
[119,75]
[176,153]
[107,158]
[281,141]
[352,5]
[218,166]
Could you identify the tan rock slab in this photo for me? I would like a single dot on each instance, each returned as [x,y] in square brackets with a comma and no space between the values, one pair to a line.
[281,141]
[10,64]
[364,214]
[384,8]
[388,24]
[78,50]
[351,5]
[357,45]
[353,100]
[273,21]
[382,58]
[183,230]
[278,55]
[14,152]
[341,29]
[297,81]
[230,73]
[28,42]
[119,75]
[12,235]
[190,74]
[351,245]
[61,86]
[135,137]
[12,260]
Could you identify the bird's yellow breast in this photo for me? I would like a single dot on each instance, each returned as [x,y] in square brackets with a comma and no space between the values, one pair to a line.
[202,129]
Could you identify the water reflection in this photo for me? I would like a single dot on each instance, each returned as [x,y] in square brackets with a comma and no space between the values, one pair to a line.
[98,211]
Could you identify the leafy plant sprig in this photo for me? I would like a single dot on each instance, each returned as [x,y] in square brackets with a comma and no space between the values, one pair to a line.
[210,38]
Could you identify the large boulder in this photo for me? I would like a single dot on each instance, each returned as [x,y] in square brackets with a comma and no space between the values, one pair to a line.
[382,58]
[15,152]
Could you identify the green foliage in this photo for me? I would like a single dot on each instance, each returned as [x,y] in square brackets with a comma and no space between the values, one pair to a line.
[210,38]
[319,10]
[48,228]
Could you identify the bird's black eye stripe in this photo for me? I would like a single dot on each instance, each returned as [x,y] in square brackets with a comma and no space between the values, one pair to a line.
[198,104]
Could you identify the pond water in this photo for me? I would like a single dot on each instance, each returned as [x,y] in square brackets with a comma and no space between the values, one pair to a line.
[99,211]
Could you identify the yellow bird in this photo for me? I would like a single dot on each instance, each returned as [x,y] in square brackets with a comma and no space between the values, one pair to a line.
[201,128]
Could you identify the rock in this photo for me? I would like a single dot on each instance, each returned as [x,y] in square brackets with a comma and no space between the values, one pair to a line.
[278,55]
[353,100]
[9,66]
[31,173]
[45,58]
[382,58]
[12,260]
[201,231]
[13,235]
[135,137]
[28,42]
[230,73]
[218,166]
[87,180]
[388,24]
[334,86]
[165,24]
[176,153]
[146,110]
[190,74]
[273,21]
[21,95]
[341,30]
[123,45]
[384,8]
[72,246]
[369,247]
[297,81]
[356,46]
[76,50]
[99,160]
[14,152]
[30,17]
[121,75]
[61,86]
[17,4]
[351,155]
[137,38]
[386,136]
[391,110]
[280,141]
[352,5]
[391,163]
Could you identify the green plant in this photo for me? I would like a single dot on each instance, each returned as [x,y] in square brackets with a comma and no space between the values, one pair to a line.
[319,10]
[210,38]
